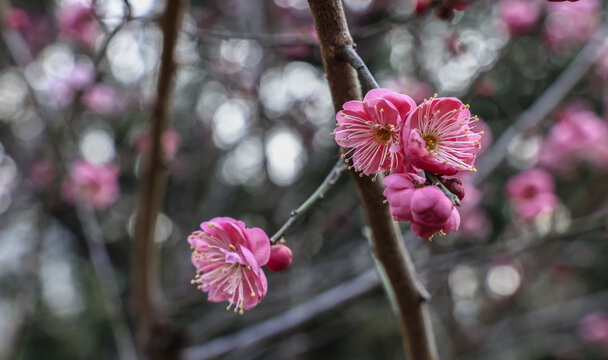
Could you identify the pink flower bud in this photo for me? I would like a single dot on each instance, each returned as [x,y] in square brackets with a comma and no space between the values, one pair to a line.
[280,258]
[430,207]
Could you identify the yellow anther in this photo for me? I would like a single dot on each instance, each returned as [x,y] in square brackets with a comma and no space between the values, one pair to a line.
[373,179]
[241,312]
[252,294]
[384,201]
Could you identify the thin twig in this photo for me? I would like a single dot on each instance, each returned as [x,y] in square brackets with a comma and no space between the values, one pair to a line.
[530,118]
[350,55]
[295,215]
[418,338]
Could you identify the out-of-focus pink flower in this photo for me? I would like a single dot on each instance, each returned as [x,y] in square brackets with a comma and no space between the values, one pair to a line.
[578,134]
[437,137]
[169,140]
[519,16]
[77,22]
[371,129]
[104,100]
[531,192]
[570,24]
[593,329]
[94,185]
[228,258]
[427,207]
[16,18]
[42,173]
[417,90]
[280,258]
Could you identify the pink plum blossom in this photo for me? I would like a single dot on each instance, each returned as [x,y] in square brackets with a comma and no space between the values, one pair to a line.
[593,329]
[578,134]
[94,185]
[432,212]
[398,193]
[569,24]
[531,192]
[427,207]
[280,257]
[77,22]
[170,140]
[437,137]
[228,258]
[519,16]
[371,130]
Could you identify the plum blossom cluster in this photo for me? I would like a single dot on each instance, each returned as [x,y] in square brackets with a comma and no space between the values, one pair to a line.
[228,258]
[388,133]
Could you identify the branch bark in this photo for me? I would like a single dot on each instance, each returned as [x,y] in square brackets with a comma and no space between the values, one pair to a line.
[333,33]
[157,338]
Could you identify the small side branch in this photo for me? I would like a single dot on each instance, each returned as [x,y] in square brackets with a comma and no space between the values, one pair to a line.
[350,55]
[330,180]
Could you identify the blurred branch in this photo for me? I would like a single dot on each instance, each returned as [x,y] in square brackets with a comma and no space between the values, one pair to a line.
[286,322]
[102,265]
[418,338]
[146,294]
[100,260]
[330,180]
[530,118]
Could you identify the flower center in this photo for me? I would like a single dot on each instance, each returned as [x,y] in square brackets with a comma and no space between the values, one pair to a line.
[431,142]
[383,135]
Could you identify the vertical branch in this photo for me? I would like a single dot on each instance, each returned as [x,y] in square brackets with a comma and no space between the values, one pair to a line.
[411,297]
[146,296]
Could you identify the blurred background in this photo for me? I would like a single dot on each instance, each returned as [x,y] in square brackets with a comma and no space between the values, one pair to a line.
[524,278]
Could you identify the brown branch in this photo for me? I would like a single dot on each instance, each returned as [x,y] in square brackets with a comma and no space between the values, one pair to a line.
[388,244]
[155,335]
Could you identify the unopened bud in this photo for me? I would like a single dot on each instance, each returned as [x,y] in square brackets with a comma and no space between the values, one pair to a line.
[455,186]
[280,258]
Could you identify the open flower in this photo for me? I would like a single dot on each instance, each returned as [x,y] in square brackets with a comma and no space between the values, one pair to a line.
[437,137]
[371,130]
[228,258]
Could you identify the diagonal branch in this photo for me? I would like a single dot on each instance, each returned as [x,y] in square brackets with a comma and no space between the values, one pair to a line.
[530,118]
